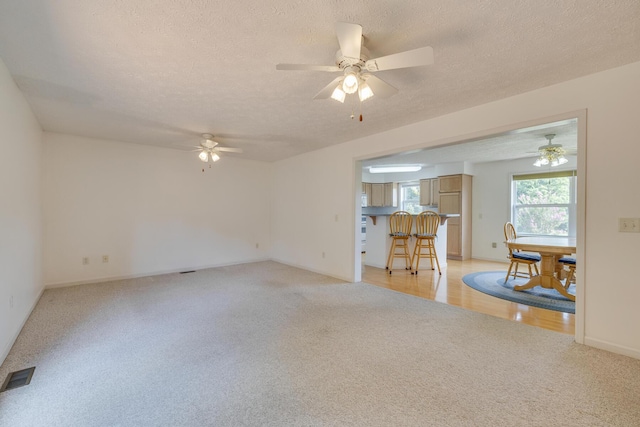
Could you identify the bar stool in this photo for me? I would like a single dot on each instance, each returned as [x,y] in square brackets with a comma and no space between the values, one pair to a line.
[427,223]
[400,231]
[571,263]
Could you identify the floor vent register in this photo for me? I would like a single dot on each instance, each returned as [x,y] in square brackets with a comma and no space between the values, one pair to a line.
[17,379]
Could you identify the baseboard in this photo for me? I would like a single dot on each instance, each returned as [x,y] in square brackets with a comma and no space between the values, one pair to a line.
[147,274]
[613,348]
[12,341]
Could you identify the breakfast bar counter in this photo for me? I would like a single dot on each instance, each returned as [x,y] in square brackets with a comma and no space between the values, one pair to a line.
[379,242]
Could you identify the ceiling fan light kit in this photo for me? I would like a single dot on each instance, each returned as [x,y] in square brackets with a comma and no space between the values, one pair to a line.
[352,59]
[209,149]
[550,154]
[338,94]
[364,92]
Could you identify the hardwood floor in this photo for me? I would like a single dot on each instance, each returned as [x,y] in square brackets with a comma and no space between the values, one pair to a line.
[450,289]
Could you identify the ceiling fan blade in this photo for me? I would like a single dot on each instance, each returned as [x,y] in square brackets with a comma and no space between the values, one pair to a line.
[305,67]
[229,149]
[410,58]
[349,38]
[328,89]
[380,87]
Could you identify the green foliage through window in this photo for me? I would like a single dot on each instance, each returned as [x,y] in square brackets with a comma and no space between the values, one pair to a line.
[410,196]
[544,204]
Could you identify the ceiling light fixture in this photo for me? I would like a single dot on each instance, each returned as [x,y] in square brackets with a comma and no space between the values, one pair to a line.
[392,169]
[350,82]
[550,154]
[208,152]
[338,94]
[364,92]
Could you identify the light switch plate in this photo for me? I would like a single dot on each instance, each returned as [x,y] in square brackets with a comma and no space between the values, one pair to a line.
[629,225]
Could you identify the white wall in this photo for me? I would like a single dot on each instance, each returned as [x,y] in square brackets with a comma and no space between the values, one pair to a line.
[608,314]
[151,210]
[20,211]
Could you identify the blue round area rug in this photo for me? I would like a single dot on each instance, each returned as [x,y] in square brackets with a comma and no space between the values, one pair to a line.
[492,283]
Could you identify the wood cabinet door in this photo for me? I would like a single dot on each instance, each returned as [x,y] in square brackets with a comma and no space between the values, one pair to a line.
[426,194]
[367,191]
[377,195]
[435,191]
[453,237]
[389,194]
[449,203]
[450,183]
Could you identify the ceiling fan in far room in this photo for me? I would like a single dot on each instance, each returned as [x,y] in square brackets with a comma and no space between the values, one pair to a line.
[551,154]
[210,149]
[353,61]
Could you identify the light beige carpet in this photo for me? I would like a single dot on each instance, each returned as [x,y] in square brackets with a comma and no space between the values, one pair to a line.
[270,345]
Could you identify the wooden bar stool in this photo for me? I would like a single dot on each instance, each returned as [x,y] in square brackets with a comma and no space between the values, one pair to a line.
[400,231]
[427,223]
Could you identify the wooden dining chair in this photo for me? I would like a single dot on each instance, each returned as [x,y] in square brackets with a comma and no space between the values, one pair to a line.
[427,223]
[517,257]
[400,223]
[569,262]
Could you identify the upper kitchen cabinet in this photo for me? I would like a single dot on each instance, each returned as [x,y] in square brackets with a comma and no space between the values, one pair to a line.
[429,192]
[455,198]
[366,191]
[380,194]
[390,194]
[377,195]
[451,183]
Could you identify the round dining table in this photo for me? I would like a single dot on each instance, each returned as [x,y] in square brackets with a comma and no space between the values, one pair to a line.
[550,249]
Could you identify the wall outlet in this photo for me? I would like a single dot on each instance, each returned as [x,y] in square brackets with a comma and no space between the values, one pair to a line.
[85,260]
[629,225]
[257,245]
[105,258]
[322,254]
[494,245]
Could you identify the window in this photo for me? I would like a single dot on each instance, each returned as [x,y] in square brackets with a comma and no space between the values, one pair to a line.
[410,197]
[544,204]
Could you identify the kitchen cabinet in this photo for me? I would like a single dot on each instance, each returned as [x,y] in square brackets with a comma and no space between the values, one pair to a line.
[390,196]
[429,192]
[366,190]
[377,195]
[451,183]
[380,194]
[450,203]
[455,198]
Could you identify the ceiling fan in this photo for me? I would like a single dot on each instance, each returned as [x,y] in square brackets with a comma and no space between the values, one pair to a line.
[210,149]
[353,61]
[550,154]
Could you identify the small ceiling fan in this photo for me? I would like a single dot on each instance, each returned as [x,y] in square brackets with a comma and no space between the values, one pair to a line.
[550,154]
[353,61]
[210,149]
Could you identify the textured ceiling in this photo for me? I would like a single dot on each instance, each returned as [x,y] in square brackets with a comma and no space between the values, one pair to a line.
[161,72]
